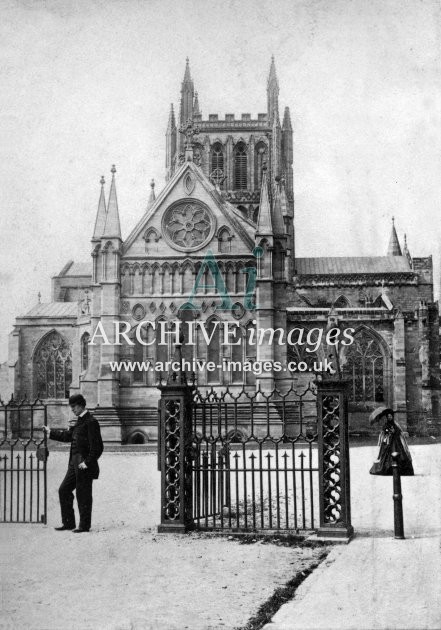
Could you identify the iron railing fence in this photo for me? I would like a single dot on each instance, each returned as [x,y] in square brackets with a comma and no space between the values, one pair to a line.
[23,468]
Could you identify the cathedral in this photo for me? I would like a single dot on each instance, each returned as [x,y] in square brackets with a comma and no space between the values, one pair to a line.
[229,199]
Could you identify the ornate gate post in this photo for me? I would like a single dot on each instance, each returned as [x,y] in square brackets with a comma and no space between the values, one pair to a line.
[333,456]
[174,443]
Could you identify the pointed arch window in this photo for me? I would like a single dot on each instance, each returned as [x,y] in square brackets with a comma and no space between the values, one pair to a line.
[224,239]
[299,354]
[342,302]
[300,350]
[144,353]
[151,238]
[187,316]
[85,351]
[217,175]
[217,157]
[52,367]
[126,283]
[138,358]
[365,367]
[214,350]
[240,167]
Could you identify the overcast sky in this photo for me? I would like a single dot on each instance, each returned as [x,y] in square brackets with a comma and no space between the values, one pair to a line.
[86,84]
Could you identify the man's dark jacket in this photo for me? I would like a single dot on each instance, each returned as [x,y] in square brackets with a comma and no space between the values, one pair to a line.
[88,440]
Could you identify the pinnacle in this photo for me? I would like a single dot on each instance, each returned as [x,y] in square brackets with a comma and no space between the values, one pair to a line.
[394,248]
[101,214]
[112,228]
[287,119]
[264,222]
[272,77]
[187,74]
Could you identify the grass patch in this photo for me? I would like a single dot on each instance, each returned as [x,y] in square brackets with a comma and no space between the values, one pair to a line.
[272,538]
[282,595]
[282,540]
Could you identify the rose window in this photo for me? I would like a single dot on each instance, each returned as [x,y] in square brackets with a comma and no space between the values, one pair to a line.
[188,226]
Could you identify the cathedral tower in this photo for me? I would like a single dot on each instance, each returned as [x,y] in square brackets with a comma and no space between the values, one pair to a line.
[232,151]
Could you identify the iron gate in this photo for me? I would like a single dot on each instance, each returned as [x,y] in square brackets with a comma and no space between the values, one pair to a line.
[254,460]
[23,472]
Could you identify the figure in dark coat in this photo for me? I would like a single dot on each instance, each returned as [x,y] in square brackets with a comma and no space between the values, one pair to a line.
[86,448]
[392,440]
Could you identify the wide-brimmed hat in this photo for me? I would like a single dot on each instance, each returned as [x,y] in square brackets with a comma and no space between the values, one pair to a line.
[378,413]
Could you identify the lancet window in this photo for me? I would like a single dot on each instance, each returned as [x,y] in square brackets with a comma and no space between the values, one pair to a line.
[85,351]
[240,167]
[217,157]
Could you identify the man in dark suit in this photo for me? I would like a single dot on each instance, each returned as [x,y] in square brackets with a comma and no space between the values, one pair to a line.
[86,448]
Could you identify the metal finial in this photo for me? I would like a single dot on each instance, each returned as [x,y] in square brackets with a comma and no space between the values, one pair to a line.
[113,169]
[152,184]
[102,180]
[39,297]
[393,220]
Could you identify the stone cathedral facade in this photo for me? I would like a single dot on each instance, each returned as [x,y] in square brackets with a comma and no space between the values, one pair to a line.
[229,190]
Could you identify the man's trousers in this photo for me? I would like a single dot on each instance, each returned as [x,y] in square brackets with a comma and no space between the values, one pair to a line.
[81,480]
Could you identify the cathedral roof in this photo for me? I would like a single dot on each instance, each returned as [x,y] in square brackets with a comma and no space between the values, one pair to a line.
[53,309]
[76,269]
[351,265]
[80,269]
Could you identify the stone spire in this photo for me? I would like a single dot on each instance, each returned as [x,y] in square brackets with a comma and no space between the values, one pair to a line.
[272,91]
[112,228]
[394,248]
[100,220]
[170,143]
[264,221]
[187,98]
[406,252]
[171,119]
[196,110]
[152,196]
[187,74]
